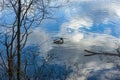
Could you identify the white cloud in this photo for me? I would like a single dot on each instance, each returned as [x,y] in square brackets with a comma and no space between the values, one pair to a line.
[100,11]
[41,38]
[86,14]
[114,7]
[72,28]
[77,37]
[79,22]
[76,23]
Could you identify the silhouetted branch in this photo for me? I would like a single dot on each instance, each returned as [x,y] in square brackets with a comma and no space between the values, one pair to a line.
[91,53]
[3,62]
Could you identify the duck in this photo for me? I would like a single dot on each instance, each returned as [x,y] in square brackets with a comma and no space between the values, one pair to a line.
[58,41]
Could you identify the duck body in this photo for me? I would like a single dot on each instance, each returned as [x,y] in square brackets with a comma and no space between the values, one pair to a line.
[58,41]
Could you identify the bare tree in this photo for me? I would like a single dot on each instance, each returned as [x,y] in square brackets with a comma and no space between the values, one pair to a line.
[25,14]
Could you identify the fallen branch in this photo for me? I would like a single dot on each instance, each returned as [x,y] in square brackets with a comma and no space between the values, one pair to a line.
[91,53]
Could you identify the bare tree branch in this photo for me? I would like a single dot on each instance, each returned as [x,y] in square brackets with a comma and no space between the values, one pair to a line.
[100,53]
[14,6]
[3,61]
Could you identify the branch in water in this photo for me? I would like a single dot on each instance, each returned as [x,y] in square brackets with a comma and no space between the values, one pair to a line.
[100,53]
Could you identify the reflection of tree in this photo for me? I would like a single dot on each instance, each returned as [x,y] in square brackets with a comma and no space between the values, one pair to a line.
[21,16]
[41,67]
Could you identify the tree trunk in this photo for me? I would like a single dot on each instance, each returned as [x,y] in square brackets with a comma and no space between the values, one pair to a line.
[18,40]
[10,68]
